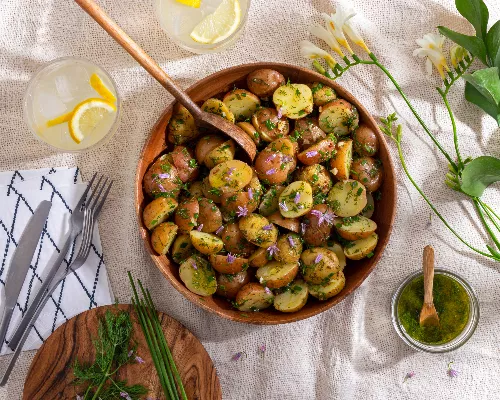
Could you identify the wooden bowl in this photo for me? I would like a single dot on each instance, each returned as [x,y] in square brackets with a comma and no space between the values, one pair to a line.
[355,272]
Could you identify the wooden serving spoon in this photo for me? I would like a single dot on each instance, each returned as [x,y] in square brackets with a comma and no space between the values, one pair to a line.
[428,314]
[202,118]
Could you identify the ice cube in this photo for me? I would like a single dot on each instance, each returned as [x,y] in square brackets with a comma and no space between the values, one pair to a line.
[50,105]
[63,88]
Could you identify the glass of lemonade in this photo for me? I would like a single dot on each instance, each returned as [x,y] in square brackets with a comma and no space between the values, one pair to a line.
[72,105]
[180,21]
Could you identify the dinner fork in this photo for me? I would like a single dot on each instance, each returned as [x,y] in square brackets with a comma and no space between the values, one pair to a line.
[92,207]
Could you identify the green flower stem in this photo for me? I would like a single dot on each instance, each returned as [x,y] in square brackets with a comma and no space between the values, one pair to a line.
[483,219]
[491,210]
[403,164]
[489,213]
[410,106]
[454,125]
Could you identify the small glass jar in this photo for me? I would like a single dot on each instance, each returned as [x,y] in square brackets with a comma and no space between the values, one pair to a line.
[455,343]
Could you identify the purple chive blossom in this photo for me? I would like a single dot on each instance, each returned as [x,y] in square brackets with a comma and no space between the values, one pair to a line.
[271,171]
[290,240]
[283,206]
[194,265]
[267,290]
[267,227]
[271,157]
[250,193]
[318,258]
[125,396]
[323,217]
[237,356]
[452,373]
[409,375]
[199,228]
[296,199]
[303,227]
[230,171]
[139,360]
[242,211]
[272,250]
[219,230]
[162,189]
[311,153]
[329,216]
[230,258]
[164,176]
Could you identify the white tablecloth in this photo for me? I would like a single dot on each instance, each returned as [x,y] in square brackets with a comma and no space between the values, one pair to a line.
[352,350]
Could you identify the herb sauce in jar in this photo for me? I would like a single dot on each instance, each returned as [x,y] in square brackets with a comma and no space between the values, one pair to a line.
[452,305]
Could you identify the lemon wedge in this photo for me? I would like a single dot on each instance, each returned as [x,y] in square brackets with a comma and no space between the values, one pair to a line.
[190,3]
[219,25]
[87,115]
[100,87]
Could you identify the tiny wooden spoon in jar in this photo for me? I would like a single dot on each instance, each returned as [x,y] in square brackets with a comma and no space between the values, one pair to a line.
[428,314]
[201,117]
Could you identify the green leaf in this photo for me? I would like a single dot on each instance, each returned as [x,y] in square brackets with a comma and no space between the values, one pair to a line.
[476,12]
[475,97]
[472,44]
[493,44]
[487,82]
[479,174]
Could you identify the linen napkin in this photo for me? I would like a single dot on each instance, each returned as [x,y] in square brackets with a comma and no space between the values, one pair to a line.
[20,194]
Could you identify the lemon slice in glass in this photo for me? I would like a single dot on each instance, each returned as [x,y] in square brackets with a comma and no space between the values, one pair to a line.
[87,115]
[100,87]
[190,3]
[219,25]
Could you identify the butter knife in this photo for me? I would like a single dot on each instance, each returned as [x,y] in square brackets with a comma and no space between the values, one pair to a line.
[20,263]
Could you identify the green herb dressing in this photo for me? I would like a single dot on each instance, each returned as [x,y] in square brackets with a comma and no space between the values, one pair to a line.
[452,305]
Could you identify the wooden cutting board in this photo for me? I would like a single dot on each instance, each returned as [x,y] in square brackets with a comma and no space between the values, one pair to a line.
[50,375]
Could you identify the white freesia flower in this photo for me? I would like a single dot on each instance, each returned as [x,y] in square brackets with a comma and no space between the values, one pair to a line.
[353,34]
[457,54]
[311,51]
[335,23]
[321,33]
[431,47]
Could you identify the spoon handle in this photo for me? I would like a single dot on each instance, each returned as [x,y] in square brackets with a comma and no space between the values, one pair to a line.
[428,266]
[150,65]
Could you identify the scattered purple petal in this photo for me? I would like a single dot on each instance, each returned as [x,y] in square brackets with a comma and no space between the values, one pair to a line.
[230,258]
[323,217]
[194,265]
[199,228]
[237,356]
[219,230]
[311,153]
[290,240]
[162,189]
[318,258]
[452,373]
[303,227]
[283,206]
[296,199]
[250,193]
[125,396]
[139,360]
[267,227]
[130,353]
[409,375]
[267,290]
[329,217]
[271,171]
[242,211]
[271,157]
[272,250]
[286,159]
[164,176]
[280,113]
[262,348]
[230,171]
[300,206]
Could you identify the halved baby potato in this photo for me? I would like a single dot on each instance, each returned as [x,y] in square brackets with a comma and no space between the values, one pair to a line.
[294,100]
[293,298]
[332,288]
[183,160]
[317,176]
[249,197]
[215,106]
[162,179]
[222,153]
[322,94]
[318,265]
[163,236]
[318,225]
[206,243]
[254,297]
[195,189]
[182,248]
[259,258]
[307,132]
[275,274]
[276,161]
[241,103]
[198,276]
[347,198]
[210,192]
[361,248]
[269,124]
[370,206]
[228,264]
[339,252]
[258,230]
[319,152]
[354,228]
[250,130]
[289,248]
[182,126]
[186,215]
[270,200]
[234,241]
[338,117]
[210,217]
[205,145]
[158,211]
[230,176]
[340,164]
[229,285]
[296,200]
[292,224]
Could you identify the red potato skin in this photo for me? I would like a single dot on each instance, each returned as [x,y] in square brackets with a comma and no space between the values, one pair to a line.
[154,185]
[181,156]
[369,172]
[186,215]
[365,141]
[234,242]
[229,286]
[316,234]
[277,126]
[325,149]
[209,215]
[309,132]
[263,82]
[205,145]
